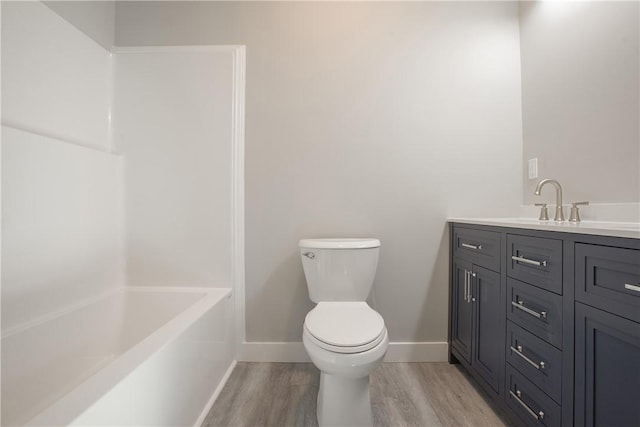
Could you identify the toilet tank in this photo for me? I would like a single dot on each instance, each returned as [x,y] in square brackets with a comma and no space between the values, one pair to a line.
[339,269]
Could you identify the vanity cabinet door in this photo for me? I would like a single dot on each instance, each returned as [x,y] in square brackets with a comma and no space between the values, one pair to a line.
[462,317]
[488,349]
[607,369]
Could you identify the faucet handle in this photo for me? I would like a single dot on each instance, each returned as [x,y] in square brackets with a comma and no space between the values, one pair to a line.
[575,211]
[544,212]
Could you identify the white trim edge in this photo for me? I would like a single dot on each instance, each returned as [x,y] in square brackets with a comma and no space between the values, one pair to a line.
[214,396]
[294,352]
[417,352]
[237,209]
[178,48]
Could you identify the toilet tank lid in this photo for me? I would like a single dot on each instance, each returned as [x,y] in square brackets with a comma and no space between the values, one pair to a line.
[339,243]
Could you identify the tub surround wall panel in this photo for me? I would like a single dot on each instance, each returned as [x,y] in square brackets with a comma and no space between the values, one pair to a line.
[61,225]
[173,124]
[61,189]
[580,99]
[56,81]
[382,132]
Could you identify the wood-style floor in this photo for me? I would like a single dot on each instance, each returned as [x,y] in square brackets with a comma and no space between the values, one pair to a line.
[402,395]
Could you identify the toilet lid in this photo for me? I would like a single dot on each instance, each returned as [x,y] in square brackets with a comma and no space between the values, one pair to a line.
[344,323]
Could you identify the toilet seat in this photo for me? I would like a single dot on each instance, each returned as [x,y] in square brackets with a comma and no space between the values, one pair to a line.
[345,327]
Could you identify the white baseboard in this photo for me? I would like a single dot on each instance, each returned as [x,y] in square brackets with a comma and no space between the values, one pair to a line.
[417,352]
[215,395]
[294,352]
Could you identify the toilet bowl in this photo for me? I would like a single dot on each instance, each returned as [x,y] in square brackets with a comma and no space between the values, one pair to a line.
[344,337]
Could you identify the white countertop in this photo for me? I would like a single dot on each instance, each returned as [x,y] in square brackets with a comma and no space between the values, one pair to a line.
[600,228]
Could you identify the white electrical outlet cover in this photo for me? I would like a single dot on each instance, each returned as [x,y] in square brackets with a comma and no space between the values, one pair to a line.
[533,168]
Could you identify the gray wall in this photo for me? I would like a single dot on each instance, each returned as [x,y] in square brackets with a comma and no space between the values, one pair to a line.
[580,98]
[362,119]
[94,18]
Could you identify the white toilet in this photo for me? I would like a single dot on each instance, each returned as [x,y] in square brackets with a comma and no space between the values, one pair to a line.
[344,337]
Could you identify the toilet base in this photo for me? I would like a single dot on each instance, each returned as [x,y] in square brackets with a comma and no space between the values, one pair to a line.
[344,401]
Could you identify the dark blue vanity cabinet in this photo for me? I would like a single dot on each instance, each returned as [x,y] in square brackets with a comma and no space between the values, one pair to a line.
[462,311]
[548,323]
[607,369]
[477,323]
[607,335]
[535,319]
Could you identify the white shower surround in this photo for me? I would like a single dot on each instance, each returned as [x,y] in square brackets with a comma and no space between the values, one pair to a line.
[53,130]
[238,55]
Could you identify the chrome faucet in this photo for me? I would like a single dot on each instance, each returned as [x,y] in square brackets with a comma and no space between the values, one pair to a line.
[559,211]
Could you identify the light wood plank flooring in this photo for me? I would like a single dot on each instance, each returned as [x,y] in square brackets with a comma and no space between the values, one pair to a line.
[402,394]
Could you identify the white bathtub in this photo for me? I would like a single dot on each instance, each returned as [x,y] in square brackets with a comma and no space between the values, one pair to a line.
[134,357]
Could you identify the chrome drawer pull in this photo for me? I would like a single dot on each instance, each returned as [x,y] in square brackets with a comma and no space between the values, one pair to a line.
[520,305]
[632,287]
[469,246]
[516,396]
[519,352]
[529,261]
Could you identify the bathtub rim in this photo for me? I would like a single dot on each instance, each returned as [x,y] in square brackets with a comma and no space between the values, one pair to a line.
[21,327]
[74,403]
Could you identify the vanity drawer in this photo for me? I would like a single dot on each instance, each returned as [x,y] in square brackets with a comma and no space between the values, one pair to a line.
[529,402]
[609,278]
[537,360]
[535,260]
[536,310]
[481,247]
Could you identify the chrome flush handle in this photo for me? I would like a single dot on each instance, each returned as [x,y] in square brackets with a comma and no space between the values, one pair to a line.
[309,255]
